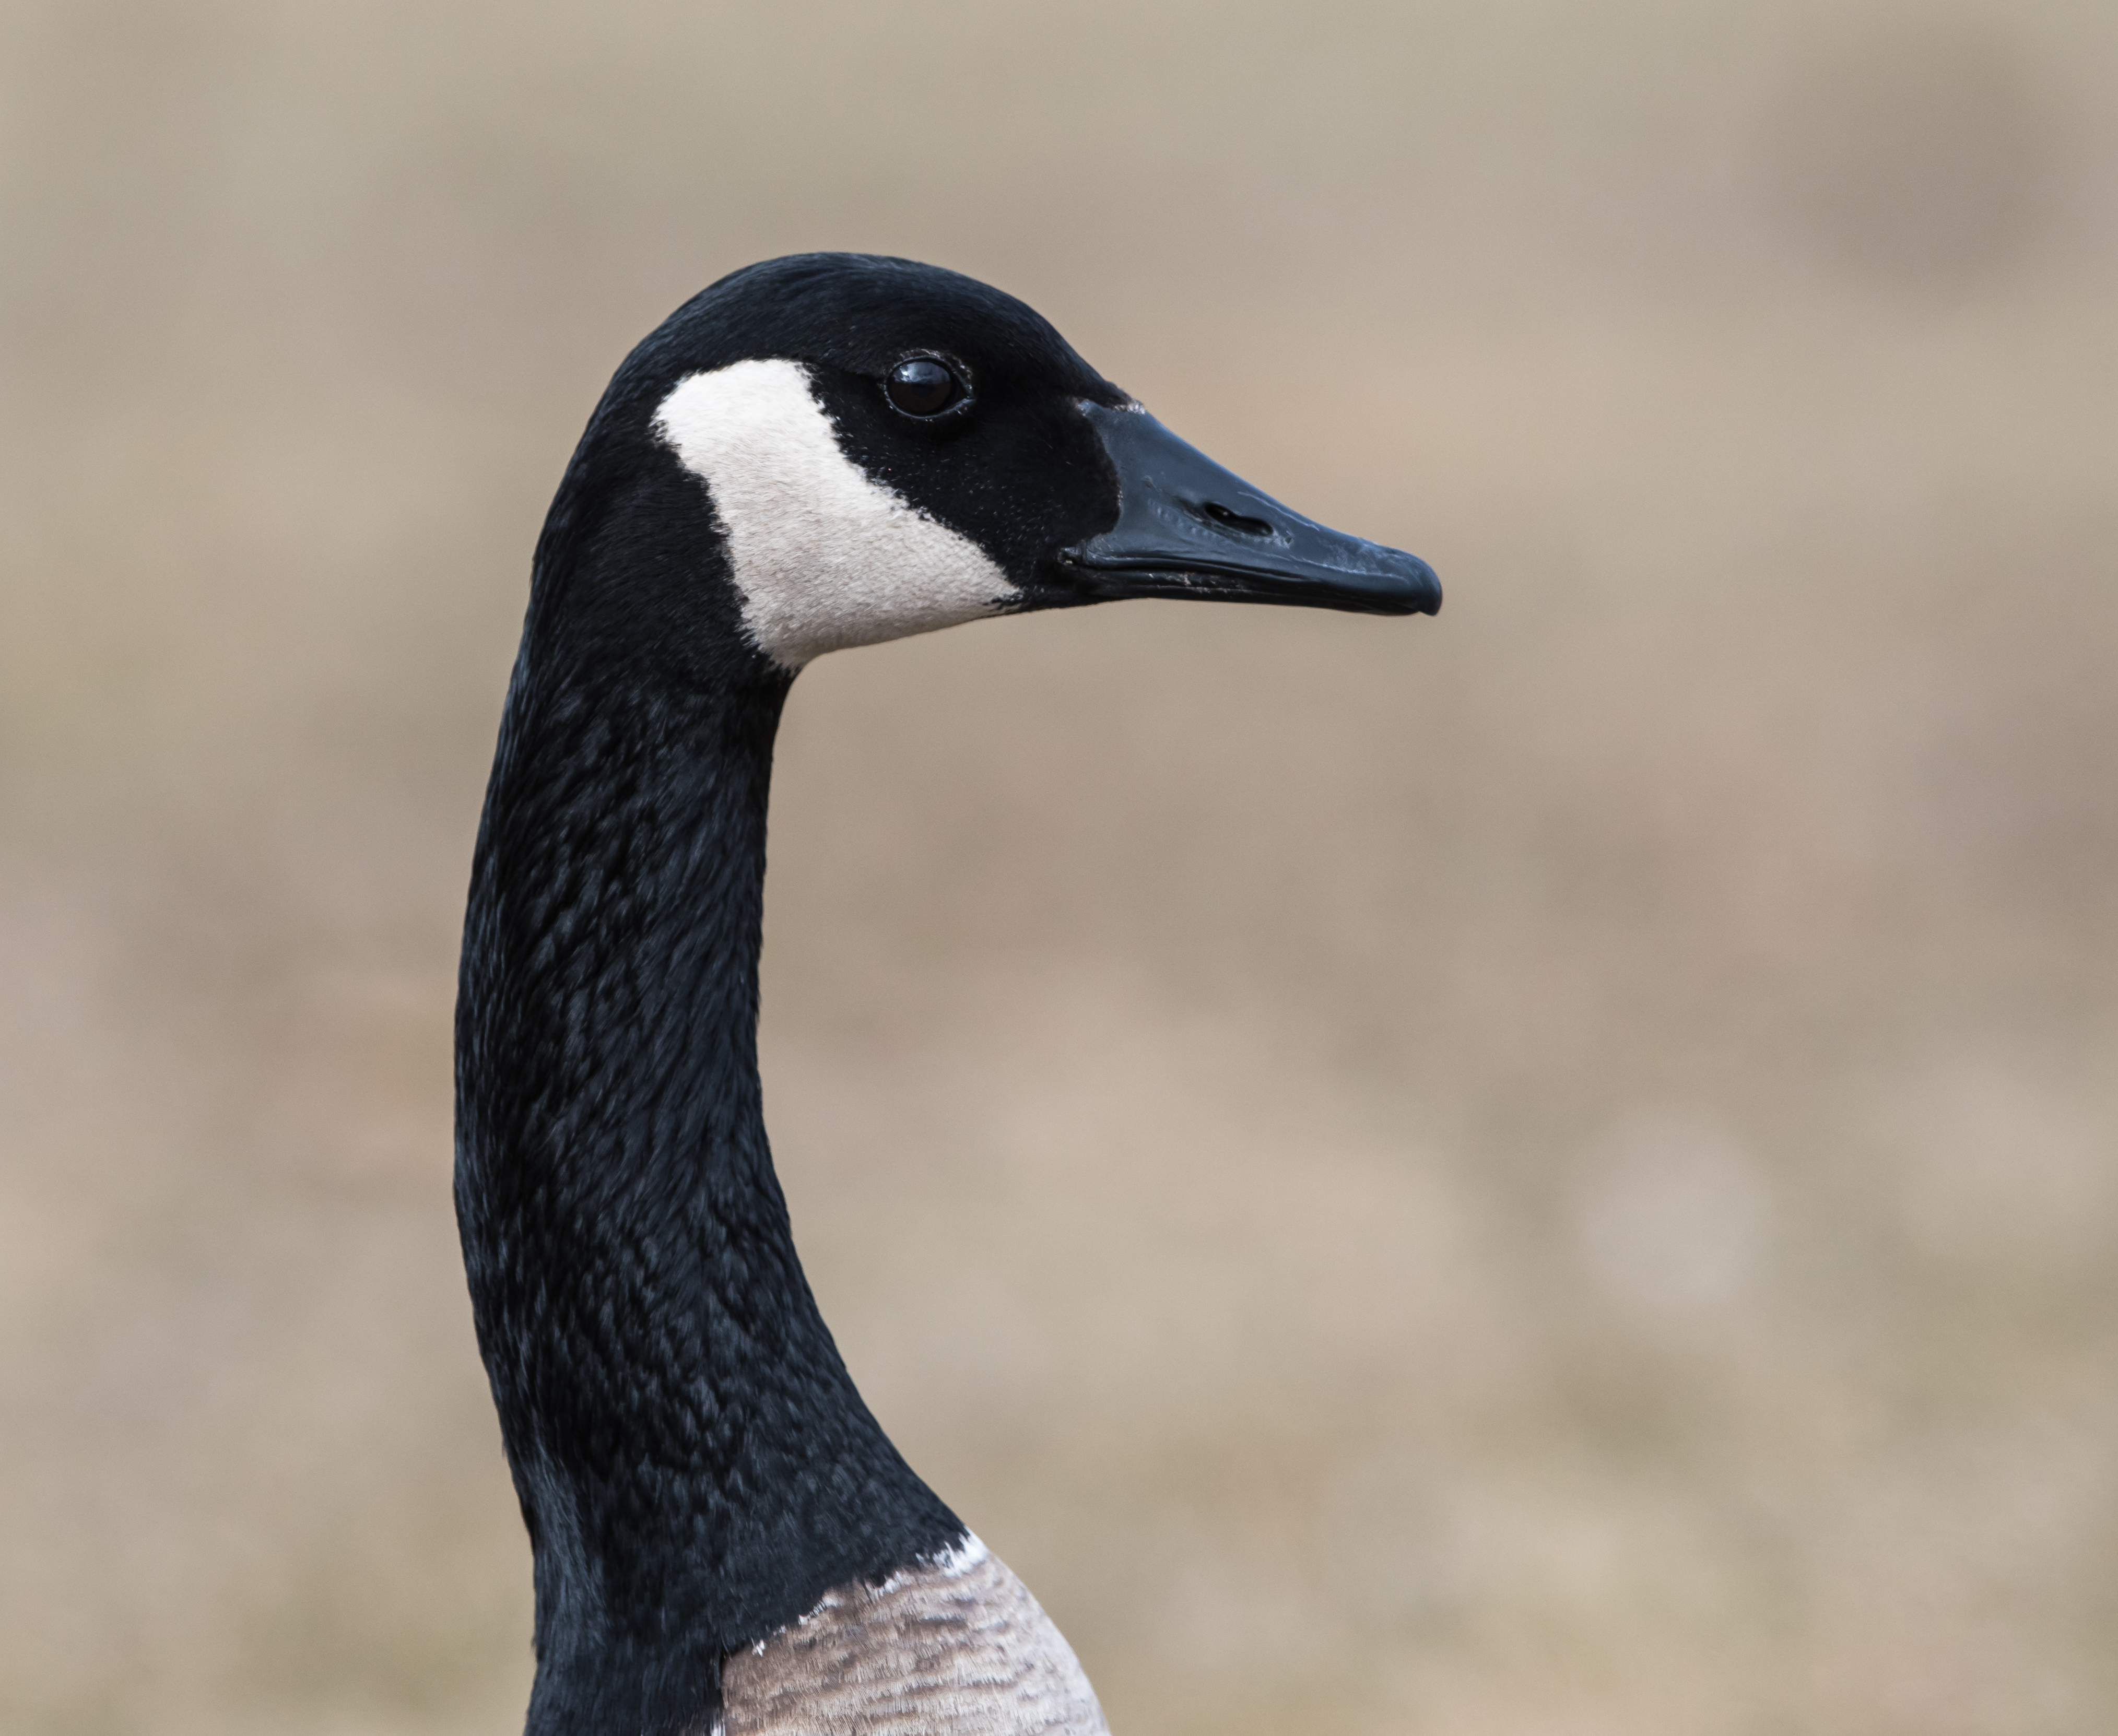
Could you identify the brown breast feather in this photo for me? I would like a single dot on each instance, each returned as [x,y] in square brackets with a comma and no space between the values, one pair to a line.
[951,1647]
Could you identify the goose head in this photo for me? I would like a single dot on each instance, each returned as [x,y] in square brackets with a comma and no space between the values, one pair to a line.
[865,448]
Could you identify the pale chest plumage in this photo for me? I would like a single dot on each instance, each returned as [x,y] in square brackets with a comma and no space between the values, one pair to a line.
[954,1647]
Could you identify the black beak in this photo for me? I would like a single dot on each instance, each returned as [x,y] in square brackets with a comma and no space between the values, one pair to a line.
[1187,527]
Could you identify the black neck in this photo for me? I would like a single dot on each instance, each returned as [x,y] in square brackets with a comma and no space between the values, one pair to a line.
[694,1463]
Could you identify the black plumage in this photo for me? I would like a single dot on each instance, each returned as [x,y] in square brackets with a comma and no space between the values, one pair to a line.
[694,1463]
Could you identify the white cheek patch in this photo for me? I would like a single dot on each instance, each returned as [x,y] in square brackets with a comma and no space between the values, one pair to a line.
[825,555]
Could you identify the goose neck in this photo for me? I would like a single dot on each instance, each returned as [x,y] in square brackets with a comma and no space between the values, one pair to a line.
[694,1462]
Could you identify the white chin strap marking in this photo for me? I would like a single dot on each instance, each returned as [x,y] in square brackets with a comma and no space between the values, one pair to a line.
[825,555]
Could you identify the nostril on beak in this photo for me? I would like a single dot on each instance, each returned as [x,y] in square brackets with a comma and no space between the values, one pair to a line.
[1230,520]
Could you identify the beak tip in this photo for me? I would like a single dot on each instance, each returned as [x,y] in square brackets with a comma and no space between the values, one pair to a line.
[1419,589]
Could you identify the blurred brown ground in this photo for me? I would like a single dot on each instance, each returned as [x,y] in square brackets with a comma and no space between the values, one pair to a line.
[1545,1173]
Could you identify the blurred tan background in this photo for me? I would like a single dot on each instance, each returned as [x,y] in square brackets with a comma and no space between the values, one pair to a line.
[1545,1173]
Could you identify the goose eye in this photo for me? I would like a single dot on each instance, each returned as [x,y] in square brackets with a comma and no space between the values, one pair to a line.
[924,386]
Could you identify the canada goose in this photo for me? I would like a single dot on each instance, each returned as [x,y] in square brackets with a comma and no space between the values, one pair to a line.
[818,452]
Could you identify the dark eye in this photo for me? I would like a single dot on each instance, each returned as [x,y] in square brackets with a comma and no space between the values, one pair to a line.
[925,385]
